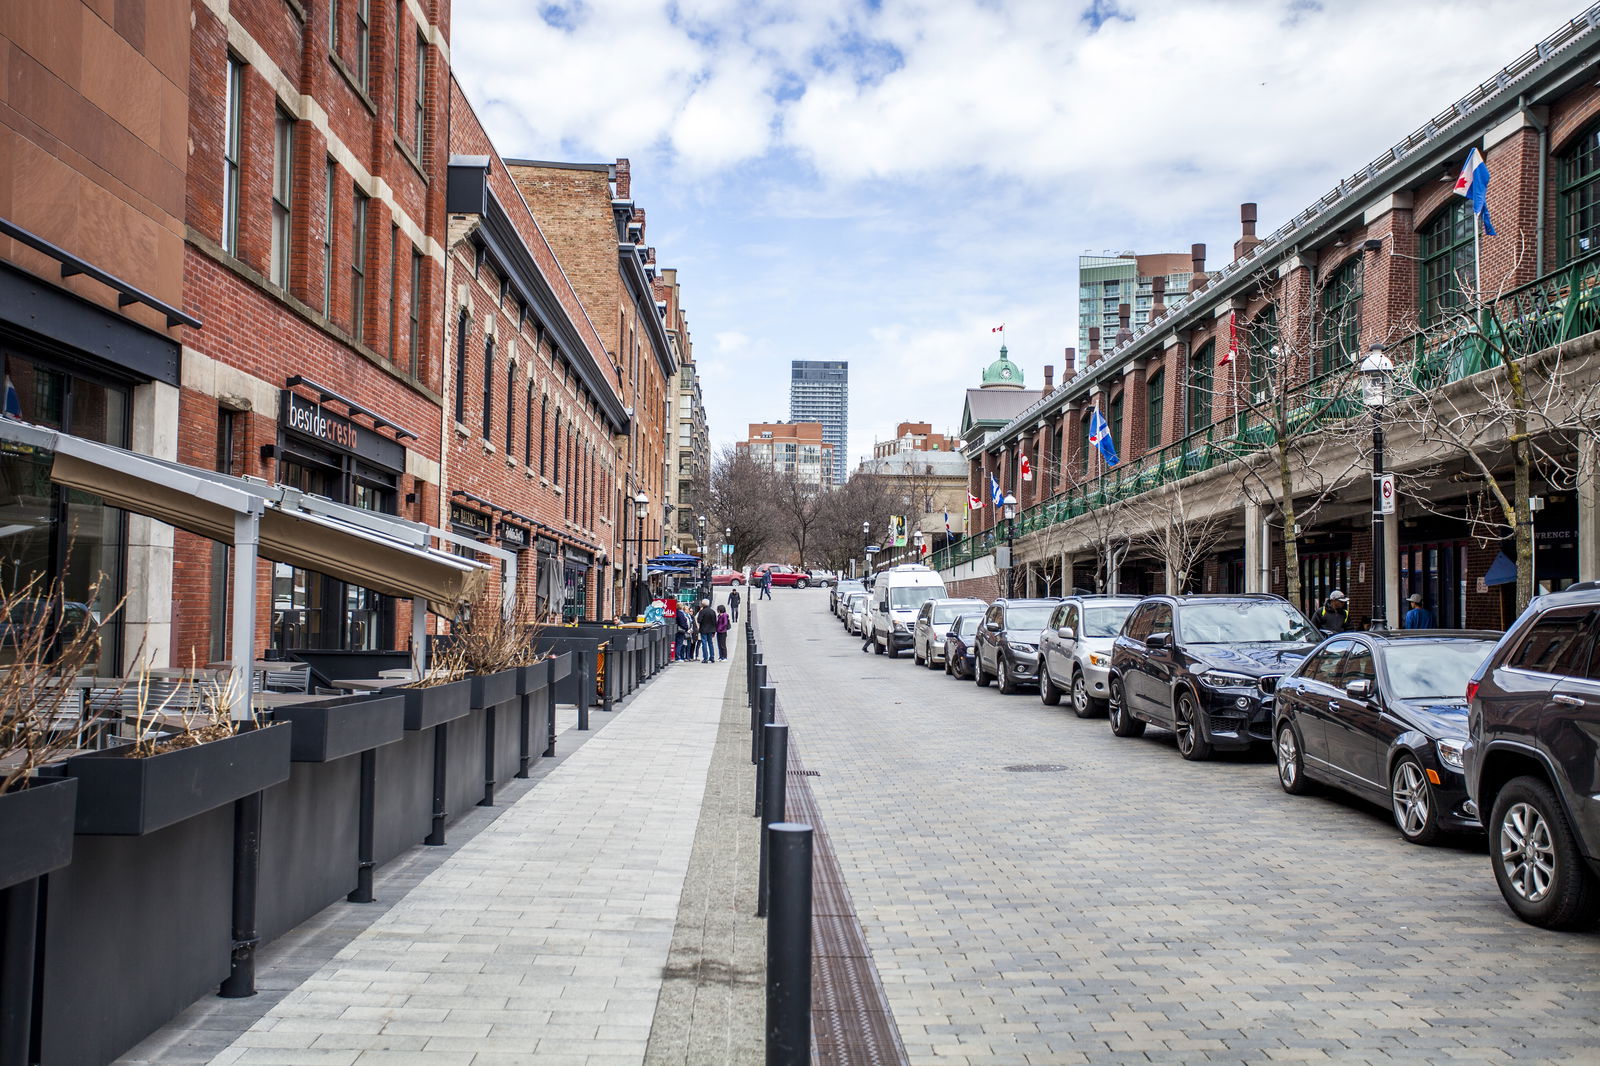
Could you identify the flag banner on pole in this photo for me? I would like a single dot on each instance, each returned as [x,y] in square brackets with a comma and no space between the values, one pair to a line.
[994,490]
[947,524]
[1233,340]
[1100,437]
[1001,328]
[1025,469]
[1474,185]
[13,402]
[973,503]
[897,525]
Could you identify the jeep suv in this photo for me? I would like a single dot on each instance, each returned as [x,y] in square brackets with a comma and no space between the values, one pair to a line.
[1533,759]
[1205,667]
[1005,645]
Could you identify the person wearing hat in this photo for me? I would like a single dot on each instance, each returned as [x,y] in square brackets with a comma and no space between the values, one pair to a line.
[1419,617]
[1334,616]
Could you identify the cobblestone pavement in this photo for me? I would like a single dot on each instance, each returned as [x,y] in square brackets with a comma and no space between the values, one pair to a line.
[1133,907]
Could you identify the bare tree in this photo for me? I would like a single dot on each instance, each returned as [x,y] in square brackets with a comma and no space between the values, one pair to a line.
[1171,530]
[837,537]
[741,500]
[796,506]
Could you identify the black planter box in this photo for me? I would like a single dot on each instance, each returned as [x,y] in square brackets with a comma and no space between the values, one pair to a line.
[534,678]
[404,795]
[120,796]
[563,667]
[36,829]
[331,729]
[309,834]
[491,690]
[428,707]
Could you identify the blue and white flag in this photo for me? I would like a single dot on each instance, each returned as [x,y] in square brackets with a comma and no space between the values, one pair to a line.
[994,490]
[1474,185]
[13,402]
[1100,437]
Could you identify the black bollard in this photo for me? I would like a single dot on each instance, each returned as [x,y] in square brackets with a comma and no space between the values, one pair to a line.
[766,702]
[789,946]
[524,734]
[489,727]
[441,769]
[362,893]
[550,711]
[241,980]
[586,671]
[774,783]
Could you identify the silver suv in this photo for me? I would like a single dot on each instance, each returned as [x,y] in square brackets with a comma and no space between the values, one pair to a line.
[1075,650]
[933,622]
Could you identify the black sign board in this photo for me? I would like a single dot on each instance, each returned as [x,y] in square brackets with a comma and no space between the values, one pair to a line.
[546,545]
[513,536]
[309,419]
[578,557]
[475,522]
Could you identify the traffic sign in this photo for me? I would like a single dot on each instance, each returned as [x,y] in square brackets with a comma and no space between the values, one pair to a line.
[1386,494]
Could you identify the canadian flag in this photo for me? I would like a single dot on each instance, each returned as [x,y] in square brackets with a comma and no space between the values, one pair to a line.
[973,503]
[1001,328]
[1233,340]
[922,549]
[1026,470]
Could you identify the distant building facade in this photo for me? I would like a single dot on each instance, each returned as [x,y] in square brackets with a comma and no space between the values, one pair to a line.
[819,391]
[1105,282]
[912,437]
[689,457]
[796,448]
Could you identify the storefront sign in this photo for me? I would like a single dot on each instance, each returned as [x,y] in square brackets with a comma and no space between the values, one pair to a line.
[578,557]
[513,536]
[475,522]
[309,419]
[546,545]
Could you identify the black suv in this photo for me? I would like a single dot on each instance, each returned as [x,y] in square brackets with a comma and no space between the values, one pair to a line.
[1533,759]
[1205,667]
[1005,645]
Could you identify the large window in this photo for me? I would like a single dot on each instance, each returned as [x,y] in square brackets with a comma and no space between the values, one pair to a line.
[1155,409]
[358,266]
[415,343]
[1261,352]
[420,102]
[282,189]
[1198,390]
[1116,421]
[511,405]
[1578,196]
[488,389]
[330,183]
[363,44]
[461,368]
[232,140]
[1339,331]
[1449,270]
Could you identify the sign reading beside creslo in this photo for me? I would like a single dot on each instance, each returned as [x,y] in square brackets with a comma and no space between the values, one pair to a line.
[475,522]
[320,424]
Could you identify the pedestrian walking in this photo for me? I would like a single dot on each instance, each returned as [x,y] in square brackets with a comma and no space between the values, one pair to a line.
[683,644]
[733,603]
[723,622]
[707,620]
[1334,617]
[1419,617]
[766,584]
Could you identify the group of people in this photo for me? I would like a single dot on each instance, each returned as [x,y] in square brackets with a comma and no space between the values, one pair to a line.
[707,627]
[1334,615]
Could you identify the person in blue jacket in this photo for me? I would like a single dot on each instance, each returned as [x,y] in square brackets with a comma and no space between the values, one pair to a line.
[1419,617]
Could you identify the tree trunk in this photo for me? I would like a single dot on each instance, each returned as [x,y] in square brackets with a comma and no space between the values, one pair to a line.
[1291,542]
[1522,523]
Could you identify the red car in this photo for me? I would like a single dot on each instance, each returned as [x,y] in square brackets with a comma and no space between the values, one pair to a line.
[782,576]
[723,576]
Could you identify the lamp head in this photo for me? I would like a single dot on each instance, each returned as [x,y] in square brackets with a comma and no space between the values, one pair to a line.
[1010,504]
[1377,374]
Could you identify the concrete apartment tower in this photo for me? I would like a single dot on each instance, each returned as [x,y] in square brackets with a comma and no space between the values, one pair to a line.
[819,391]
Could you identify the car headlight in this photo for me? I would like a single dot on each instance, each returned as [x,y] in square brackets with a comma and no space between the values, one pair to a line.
[1226,679]
[901,627]
[1098,659]
[1019,646]
[1450,752]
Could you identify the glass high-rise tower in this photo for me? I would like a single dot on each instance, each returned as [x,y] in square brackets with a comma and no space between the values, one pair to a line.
[819,391]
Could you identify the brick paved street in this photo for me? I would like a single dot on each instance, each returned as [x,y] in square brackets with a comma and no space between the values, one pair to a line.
[1138,908]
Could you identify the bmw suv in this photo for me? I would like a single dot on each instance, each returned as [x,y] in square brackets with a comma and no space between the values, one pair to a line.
[1205,668]
[1006,643]
[1533,759]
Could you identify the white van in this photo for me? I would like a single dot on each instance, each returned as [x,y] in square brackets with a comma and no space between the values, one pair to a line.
[897,593]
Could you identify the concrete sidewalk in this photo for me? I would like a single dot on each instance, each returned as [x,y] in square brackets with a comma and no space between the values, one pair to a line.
[544,935]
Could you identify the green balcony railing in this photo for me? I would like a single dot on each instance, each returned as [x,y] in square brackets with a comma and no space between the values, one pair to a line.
[1561,306]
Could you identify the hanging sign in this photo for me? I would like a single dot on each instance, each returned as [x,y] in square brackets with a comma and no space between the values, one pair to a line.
[1386,494]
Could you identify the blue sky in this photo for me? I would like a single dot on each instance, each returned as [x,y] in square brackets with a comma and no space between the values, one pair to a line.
[883,181]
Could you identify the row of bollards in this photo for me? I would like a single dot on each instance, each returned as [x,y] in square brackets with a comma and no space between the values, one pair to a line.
[783,890]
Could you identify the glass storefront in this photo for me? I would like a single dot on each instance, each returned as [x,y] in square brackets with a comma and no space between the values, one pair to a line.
[47,531]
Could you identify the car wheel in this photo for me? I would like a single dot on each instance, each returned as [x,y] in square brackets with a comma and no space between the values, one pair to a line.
[1291,761]
[1537,864]
[1412,800]
[948,672]
[800,584]
[1192,742]
[877,645]
[978,676]
[1049,695]
[1008,683]
[928,659]
[916,656]
[1083,704]
[1123,724]
[892,646]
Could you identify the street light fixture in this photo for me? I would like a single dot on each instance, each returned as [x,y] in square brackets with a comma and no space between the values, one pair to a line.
[866,541]
[705,561]
[1377,381]
[916,542]
[1010,511]
[641,507]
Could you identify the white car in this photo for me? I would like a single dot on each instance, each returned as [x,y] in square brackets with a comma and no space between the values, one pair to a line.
[856,610]
[933,622]
[1075,650]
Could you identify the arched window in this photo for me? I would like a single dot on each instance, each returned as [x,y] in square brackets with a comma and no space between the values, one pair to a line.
[1262,353]
[1155,409]
[1578,197]
[1199,386]
[1339,332]
[461,366]
[1115,420]
[1449,269]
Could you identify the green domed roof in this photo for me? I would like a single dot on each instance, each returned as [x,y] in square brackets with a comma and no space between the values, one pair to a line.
[1002,373]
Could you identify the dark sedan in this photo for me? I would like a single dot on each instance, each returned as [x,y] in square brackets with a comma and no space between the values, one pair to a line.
[1384,716]
[1205,668]
[1006,646]
[958,645]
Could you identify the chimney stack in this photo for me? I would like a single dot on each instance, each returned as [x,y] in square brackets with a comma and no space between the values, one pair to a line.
[624,179]
[1124,333]
[1158,296]
[1069,363]
[1247,226]
[1197,253]
[1049,379]
[1094,347]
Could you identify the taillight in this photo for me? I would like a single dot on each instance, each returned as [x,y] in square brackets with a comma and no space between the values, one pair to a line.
[1472,691]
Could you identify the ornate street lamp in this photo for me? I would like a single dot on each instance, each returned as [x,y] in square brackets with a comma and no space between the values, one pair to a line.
[1010,511]
[916,543]
[866,552]
[1377,380]
[641,508]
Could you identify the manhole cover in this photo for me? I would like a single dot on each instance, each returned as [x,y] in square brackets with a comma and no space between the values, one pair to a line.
[1034,768]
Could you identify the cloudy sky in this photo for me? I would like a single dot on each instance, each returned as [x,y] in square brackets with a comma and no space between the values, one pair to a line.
[883,181]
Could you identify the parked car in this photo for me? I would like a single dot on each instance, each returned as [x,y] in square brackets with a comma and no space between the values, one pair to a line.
[823,579]
[958,644]
[897,594]
[837,594]
[782,576]
[1384,716]
[723,576]
[1006,646]
[857,608]
[933,618]
[1533,759]
[1075,650]
[1205,667]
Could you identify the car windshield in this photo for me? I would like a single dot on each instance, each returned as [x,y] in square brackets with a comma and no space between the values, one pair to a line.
[850,586]
[856,599]
[1245,622]
[1105,621]
[949,612]
[962,623]
[912,598]
[1032,618]
[1420,670]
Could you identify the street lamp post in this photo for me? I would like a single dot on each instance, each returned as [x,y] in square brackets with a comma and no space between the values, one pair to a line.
[916,544]
[1377,375]
[866,541]
[1010,505]
[641,507]
[705,562]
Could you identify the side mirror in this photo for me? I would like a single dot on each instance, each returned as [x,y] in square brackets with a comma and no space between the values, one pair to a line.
[1066,633]
[1158,641]
[1359,690]
[993,627]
